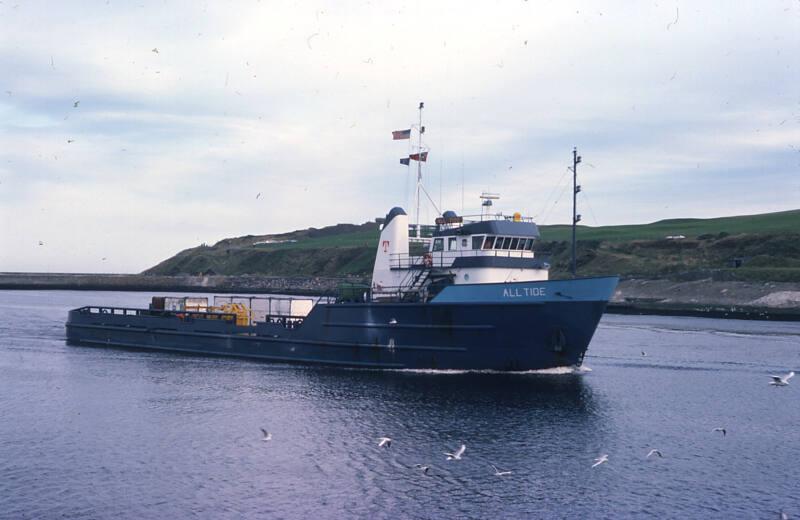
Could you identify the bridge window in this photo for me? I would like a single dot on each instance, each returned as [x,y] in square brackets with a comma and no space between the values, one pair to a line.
[529,244]
[463,243]
[498,244]
[438,244]
[489,244]
[514,243]
[521,244]
[506,242]
[477,242]
[452,244]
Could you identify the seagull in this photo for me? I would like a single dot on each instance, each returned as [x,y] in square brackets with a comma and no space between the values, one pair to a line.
[259,194]
[781,381]
[422,468]
[41,243]
[75,104]
[457,455]
[308,40]
[70,141]
[384,441]
[644,353]
[267,435]
[155,49]
[724,432]
[784,516]
[499,473]
[654,452]
[601,459]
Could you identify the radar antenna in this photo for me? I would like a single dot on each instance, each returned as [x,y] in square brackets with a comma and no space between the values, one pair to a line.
[576,159]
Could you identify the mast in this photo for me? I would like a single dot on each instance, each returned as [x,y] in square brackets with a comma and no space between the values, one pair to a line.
[419,164]
[576,159]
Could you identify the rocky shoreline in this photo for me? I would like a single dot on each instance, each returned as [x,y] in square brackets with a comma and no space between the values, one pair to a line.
[704,298]
[139,282]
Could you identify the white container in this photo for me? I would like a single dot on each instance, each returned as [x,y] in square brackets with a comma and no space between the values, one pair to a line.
[196,304]
[301,308]
[174,304]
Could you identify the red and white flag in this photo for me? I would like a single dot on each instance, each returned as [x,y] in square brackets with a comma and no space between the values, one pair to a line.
[401,134]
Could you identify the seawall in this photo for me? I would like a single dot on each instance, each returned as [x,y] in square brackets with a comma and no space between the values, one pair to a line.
[702,298]
[139,282]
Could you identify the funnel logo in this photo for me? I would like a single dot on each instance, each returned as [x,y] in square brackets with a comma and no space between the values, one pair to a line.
[385,245]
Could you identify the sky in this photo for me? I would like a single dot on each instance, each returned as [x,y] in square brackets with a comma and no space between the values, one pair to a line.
[132,130]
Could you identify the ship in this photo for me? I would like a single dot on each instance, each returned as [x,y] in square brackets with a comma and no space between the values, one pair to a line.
[467,293]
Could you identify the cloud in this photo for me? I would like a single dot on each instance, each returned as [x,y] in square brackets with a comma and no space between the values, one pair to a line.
[697,117]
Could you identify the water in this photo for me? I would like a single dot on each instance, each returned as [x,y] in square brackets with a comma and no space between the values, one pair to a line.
[98,433]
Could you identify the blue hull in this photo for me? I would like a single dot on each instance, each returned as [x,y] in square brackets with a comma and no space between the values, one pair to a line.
[514,326]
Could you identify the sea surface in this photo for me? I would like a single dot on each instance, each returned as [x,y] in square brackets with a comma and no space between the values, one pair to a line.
[107,433]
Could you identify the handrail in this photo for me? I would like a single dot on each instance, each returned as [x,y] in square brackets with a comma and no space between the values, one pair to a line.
[131,311]
[446,258]
[493,216]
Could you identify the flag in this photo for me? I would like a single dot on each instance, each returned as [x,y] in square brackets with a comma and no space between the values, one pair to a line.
[405,161]
[422,157]
[401,134]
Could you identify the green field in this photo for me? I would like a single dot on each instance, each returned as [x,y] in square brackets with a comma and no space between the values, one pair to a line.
[767,223]
[767,246]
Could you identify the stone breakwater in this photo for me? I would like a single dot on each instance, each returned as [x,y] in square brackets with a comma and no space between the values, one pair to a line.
[706,298]
[138,282]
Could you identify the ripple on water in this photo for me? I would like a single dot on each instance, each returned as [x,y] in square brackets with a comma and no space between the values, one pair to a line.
[100,433]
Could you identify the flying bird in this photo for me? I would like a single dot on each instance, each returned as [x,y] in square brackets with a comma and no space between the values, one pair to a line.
[267,435]
[70,141]
[724,432]
[75,104]
[41,243]
[677,14]
[781,381]
[308,40]
[499,473]
[155,50]
[384,441]
[654,452]
[599,460]
[457,455]
[422,468]
[259,194]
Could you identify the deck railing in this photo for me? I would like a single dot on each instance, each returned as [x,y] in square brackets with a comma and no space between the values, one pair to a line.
[129,311]
[446,258]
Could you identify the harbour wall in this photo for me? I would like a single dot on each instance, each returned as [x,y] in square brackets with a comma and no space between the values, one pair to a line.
[703,298]
[156,283]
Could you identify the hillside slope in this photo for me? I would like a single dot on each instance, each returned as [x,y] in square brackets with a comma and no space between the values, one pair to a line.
[765,247]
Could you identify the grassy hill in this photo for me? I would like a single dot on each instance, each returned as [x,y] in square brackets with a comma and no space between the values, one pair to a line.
[340,250]
[767,246]
[767,223]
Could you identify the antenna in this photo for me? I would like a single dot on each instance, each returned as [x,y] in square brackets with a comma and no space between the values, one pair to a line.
[486,201]
[462,183]
[419,164]
[576,159]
